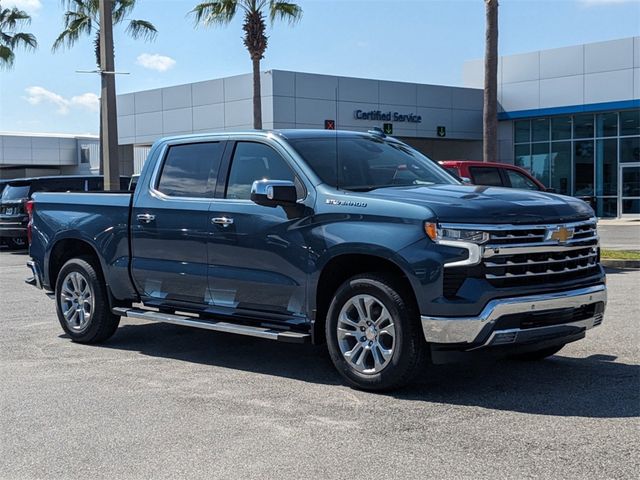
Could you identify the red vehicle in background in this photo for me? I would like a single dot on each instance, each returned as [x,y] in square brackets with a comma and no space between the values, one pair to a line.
[494,174]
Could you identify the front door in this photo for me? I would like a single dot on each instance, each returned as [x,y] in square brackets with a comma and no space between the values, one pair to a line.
[257,257]
[629,190]
[170,225]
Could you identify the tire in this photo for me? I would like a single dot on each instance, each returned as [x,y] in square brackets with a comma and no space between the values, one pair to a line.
[385,355]
[17,243]
[537,355]
[79,284]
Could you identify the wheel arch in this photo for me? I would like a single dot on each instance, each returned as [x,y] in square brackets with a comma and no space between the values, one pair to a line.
[340,268]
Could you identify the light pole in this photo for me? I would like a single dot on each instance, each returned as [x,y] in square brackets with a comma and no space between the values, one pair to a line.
[108,118]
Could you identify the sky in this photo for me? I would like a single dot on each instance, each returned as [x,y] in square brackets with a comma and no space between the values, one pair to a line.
[424,41]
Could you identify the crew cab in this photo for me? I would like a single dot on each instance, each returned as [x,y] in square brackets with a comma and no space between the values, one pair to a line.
[494,174]
[353,239]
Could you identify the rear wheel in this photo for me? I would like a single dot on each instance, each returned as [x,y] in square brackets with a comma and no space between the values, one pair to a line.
[373,333]
[82,304]
[536,355]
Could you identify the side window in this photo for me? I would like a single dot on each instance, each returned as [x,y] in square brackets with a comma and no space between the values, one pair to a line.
[256,161]
[190,170]
[518,180]
[486,176]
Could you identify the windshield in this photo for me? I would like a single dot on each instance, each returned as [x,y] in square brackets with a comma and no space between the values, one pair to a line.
[366,163]
[15,192]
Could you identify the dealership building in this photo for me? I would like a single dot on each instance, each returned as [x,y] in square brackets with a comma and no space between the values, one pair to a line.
[569,115]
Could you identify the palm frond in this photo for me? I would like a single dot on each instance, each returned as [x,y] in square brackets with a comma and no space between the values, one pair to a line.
[10,18]
[286,11]
[141,29]
[219,12]
[6,57]
[74,30]
[24,40]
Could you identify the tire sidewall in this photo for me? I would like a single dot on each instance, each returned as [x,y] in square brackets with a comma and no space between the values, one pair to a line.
[396,371]
[89,273]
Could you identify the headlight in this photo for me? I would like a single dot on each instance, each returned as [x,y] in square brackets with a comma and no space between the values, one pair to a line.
[457,236]
[439,233]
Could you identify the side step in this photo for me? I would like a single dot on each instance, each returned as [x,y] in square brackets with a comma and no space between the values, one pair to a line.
[216,325]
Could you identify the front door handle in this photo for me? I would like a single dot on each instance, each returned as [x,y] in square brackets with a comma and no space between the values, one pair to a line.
[145,217]
[224,221]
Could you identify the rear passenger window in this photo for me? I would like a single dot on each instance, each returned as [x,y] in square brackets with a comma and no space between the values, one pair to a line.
[190,170]
[486,176]
[256,161]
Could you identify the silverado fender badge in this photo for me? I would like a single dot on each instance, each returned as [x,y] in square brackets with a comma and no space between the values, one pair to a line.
[345,203]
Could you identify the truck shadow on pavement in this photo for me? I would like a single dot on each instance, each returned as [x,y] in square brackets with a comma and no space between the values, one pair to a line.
[596,386]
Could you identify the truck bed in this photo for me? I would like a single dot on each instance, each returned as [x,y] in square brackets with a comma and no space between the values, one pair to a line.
[99,219]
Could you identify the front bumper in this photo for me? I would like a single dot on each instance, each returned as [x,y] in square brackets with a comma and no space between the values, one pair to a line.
[521,320]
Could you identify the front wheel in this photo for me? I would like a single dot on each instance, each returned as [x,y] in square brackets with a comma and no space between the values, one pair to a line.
[82,304]
[373,333]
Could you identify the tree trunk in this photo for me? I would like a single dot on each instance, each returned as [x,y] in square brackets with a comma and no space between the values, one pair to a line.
[108,118]
[257,96]
[490,111]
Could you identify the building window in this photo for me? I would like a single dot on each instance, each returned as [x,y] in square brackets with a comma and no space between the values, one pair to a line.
[561,128]
[582,155]
[540,130]
[583,126]
[523,131]
[630,122]
[560,161]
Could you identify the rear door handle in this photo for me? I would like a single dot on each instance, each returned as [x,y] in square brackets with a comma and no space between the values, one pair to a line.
[224,221]
[145,217]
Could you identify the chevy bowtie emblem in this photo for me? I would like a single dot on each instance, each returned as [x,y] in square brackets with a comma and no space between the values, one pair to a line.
[560,234]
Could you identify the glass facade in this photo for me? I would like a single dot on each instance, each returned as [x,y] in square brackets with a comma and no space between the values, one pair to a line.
[591,156]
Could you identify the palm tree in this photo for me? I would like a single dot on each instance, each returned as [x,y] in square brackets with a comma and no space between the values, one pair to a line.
[490,109]
[221,12]
[10,39]
[83,18]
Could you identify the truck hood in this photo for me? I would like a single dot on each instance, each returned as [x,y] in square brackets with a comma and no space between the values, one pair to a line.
[494,205]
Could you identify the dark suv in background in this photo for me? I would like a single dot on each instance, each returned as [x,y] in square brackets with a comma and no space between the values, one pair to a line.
[16,194]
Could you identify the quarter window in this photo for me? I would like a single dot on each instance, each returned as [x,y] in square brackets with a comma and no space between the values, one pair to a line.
[190,170]
[256,161]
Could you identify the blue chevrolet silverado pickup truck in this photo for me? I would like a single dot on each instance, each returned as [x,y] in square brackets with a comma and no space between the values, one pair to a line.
[353,239]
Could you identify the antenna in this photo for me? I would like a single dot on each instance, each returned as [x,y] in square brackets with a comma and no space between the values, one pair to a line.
[106,72]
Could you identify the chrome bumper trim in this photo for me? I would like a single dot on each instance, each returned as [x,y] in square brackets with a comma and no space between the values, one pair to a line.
[36,280]
[467,329]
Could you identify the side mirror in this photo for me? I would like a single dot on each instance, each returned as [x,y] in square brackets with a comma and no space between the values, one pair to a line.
[272,193]
[466,180]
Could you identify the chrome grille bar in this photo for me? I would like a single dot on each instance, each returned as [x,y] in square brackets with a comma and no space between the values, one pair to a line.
[530,274]
[530,262]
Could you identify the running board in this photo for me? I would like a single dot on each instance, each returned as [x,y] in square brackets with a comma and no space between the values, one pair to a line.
[216,325]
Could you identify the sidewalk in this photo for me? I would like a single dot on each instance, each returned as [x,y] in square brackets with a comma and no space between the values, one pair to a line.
[619,234]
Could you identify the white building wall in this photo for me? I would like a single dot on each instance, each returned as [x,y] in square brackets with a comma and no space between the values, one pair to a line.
[580,75]
[43,150]
[297,100]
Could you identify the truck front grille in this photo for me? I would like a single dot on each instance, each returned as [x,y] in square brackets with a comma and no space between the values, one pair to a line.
[530,255]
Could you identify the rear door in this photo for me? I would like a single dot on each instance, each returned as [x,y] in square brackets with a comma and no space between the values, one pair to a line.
[170,224]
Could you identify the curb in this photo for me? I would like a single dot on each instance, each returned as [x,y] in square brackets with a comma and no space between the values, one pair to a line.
[625,264]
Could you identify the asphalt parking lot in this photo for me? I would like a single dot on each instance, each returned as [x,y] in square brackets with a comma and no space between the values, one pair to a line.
[163,401]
